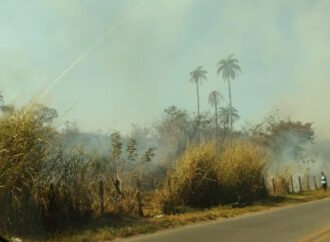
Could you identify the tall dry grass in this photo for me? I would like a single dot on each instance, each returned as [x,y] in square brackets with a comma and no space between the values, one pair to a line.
[45,187]
[241,171]
[205,176]
[25,143]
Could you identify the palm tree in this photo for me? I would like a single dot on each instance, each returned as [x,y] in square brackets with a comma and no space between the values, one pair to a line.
[228,114]
[214,99]
[197,76]
[229,68]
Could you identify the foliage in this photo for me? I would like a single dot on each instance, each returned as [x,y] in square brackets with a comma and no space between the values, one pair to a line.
[197,76]
[46,188]
[225,113]
[204,176]
[229,68]
[283,136]
[241,169]
[214,100]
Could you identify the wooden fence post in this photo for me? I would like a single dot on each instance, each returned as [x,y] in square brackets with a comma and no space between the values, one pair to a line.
[139,197]
[292,188]
[315,184]
[274,187]
[308,186]
[101,195]
[284,186]
[300,187]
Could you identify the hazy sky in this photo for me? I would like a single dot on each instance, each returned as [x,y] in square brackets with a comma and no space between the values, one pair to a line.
[143,63]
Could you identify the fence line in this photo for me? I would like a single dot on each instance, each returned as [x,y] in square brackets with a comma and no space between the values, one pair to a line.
[293,184]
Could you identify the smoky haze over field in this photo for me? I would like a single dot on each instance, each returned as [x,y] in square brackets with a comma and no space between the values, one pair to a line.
[110,106]
[143,65]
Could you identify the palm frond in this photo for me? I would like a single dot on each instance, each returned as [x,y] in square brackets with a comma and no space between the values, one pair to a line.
[222,62]
[220,69]
[230,56]
[237,67]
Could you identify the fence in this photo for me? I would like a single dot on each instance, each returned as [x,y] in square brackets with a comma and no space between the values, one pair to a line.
[293,184]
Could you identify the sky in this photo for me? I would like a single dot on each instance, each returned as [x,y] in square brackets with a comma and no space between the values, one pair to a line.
[110,63]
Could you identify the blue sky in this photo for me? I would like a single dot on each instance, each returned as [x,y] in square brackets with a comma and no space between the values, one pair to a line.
[143,66]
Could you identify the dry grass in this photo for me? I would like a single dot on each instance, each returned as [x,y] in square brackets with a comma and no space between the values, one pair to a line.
[119,227]
[46,188]
[206,177]
[56,193]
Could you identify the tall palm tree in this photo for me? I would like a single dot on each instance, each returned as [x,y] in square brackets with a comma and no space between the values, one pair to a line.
[197,76]
[214,100]
[225,113]
[229,68]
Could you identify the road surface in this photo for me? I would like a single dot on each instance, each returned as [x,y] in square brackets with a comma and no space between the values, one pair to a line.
[300,223]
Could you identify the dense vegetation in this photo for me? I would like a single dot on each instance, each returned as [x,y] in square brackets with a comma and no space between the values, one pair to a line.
[54,180]
[205,176]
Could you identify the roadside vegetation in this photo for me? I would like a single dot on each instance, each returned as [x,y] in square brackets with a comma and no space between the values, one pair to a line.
[56,183]
[126,226]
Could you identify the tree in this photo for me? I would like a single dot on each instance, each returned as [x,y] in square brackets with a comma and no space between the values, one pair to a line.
[6,109]
[197,76]
[179,129]
[288,138]
[214,100]
[229,68]
[46,114]
[228,114]
[173,128]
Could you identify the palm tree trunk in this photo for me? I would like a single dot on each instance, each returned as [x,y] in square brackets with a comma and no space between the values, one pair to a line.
[230,106]
[216,118]
[197,88]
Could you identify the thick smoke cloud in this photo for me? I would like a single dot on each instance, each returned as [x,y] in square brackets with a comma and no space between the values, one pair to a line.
[144,66]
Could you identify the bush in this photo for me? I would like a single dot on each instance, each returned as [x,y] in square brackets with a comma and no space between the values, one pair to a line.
[205,177]
[25,143]
[31,160]
[45,187]
[240,172]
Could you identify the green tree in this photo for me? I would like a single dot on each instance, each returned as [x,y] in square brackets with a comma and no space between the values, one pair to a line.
[228,114]
[229,68]
[197,76]
[214,100]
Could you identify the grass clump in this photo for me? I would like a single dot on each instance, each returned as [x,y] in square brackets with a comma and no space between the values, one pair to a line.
[205,177]
[240,170]
[48,188]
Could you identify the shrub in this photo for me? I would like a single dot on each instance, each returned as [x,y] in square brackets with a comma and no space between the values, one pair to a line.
[205,176]
[31,160]
[240,172]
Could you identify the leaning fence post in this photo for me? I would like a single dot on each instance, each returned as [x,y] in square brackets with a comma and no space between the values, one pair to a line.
[308,187]
[284,186]
[300,187]
[139,197]
[292,188]
[101,194]
[315,183]
[274,187]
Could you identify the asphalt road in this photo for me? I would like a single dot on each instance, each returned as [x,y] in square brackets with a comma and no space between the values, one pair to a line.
[300,223]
